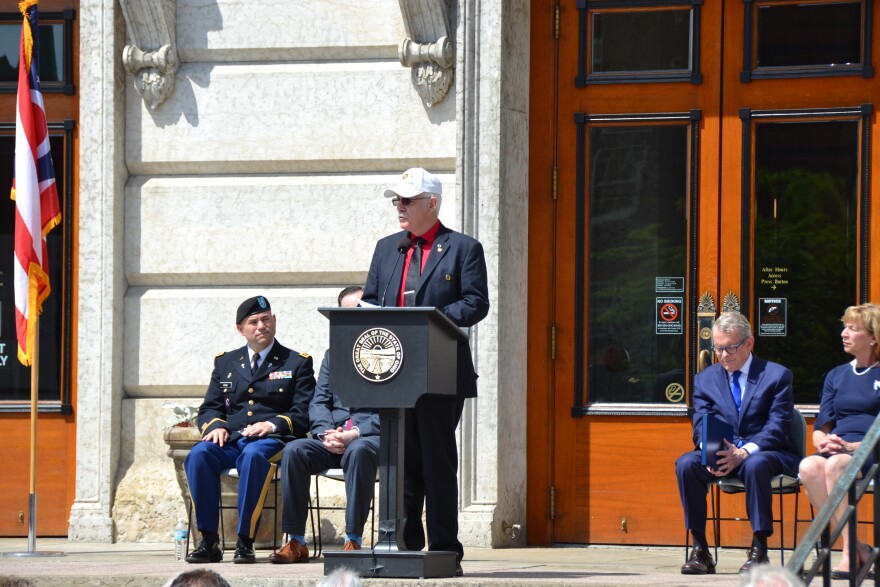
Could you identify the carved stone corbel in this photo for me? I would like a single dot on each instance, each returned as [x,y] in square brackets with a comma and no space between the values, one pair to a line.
[427,49]
[150,52]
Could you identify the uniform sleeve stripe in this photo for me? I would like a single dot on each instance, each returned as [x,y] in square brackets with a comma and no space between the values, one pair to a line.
[206,426]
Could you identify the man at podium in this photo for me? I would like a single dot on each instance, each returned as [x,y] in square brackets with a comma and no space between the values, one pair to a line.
[430,265]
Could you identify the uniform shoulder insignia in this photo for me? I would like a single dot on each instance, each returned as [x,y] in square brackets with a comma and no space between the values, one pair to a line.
[305,355]
[220,354]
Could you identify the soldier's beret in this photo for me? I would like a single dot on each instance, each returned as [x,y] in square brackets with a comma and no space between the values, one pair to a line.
[255,305]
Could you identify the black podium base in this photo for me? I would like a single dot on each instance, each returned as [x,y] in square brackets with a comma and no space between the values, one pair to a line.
[411,564]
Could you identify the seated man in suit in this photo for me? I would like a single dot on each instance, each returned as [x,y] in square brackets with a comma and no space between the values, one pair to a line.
[258,399]
[754,396]
[339,438]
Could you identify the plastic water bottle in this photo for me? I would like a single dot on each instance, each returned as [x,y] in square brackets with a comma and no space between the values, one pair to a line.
[181,533]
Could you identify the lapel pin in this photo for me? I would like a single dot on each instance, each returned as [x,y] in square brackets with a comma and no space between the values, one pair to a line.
[439,248]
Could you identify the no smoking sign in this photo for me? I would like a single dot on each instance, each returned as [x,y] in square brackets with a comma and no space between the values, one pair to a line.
[669,316]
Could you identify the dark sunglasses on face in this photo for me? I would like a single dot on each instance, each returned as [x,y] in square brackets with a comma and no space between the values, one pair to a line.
[406,201]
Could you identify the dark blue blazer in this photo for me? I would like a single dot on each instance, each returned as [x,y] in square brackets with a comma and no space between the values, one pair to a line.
[767,405]
[327,412]
[454,281]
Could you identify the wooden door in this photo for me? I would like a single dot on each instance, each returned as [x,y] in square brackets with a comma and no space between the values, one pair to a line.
[680,175]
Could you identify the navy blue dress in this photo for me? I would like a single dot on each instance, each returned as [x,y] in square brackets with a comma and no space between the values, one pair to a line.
[850,402]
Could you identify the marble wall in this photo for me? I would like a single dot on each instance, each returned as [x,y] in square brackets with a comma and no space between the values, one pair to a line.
[262,173]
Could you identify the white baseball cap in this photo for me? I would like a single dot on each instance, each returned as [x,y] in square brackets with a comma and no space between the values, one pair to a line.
[413,182]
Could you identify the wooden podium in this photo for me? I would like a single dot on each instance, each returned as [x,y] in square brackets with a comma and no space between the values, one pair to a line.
[386,359]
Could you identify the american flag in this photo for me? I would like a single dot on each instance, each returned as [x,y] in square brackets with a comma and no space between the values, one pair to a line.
[33,189]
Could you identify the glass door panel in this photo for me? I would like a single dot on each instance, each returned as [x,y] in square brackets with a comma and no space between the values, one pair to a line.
[793,35]
[637,246]
[15,379]
[805,243]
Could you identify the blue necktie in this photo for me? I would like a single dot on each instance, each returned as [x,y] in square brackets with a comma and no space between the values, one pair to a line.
[735,389]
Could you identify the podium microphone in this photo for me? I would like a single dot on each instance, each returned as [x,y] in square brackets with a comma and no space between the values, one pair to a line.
[402,246]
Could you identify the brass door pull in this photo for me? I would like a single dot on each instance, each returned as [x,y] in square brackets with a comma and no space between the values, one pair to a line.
[705,360]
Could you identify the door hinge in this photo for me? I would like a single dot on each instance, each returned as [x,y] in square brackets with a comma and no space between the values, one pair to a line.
[552,503]
[556,22]
[553,342]
[555,185]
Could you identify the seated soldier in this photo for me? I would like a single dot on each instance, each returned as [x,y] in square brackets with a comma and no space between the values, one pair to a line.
[258,399]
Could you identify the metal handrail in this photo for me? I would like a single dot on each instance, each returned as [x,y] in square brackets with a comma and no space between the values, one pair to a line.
[819,532]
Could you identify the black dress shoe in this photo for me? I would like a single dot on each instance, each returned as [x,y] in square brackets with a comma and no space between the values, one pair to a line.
[244,553]
[699,563]
[757,556]
[459,572]
[207,552]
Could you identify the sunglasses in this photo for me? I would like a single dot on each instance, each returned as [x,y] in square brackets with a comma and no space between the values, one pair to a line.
[407,201]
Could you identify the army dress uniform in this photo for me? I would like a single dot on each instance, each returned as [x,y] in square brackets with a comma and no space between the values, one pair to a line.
[279,391]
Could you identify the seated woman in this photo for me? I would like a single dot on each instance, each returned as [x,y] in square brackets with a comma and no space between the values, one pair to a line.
[850,402]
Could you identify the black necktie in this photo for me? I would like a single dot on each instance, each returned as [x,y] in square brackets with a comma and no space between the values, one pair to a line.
[413,273]
[256,363]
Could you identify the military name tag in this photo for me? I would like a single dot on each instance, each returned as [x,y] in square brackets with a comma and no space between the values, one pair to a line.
[226,386]
[281,375]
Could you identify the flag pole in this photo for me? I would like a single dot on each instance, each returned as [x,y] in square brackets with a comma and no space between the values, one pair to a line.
[35,391]
[32,487]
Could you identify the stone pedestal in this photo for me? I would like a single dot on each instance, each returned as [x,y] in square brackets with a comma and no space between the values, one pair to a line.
[180,439]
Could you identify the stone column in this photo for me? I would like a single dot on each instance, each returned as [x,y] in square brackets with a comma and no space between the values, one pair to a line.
[102,175]
[492,111]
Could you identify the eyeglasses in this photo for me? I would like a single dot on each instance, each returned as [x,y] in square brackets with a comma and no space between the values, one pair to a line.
[730,349]
[407,201]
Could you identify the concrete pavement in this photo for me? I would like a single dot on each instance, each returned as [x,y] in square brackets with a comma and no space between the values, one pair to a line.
[136,564]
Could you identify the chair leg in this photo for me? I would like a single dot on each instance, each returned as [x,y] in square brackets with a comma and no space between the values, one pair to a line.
[715,494]
[275,514]
[222,526]
[372,520]
[781,527]
[312,520]
[796,504]
[812,517]
[318,515]
[189,521]
[687,545]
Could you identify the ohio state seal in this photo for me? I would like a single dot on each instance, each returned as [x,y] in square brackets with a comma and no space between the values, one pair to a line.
[377,355]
